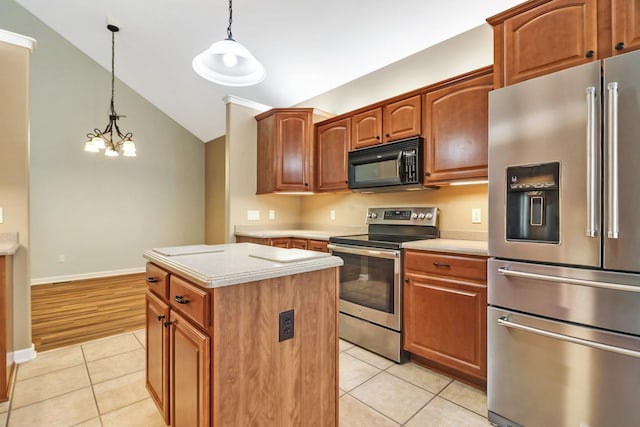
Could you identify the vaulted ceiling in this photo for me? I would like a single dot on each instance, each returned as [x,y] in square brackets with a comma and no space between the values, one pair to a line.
[307,47]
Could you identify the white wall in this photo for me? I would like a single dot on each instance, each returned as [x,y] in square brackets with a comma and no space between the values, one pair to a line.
[101,213]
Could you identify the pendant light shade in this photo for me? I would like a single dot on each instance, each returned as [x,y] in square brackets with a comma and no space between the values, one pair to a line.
[229,63]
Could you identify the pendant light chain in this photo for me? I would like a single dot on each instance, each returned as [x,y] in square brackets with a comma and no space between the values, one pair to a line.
[229,35]
[113,73]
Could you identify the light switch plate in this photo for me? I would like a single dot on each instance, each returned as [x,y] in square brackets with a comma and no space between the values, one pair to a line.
[272,214]
[476,215]
[1,216]
[333,215]
[253,215]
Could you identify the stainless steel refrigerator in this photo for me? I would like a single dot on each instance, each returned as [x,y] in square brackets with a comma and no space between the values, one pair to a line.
[564,237]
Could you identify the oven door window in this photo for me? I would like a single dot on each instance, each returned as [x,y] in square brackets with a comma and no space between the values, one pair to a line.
[367,281]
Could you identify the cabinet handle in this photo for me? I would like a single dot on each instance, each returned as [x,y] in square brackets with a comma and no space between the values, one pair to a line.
[441,264]
[160,317]
[180,299]
[152,280]
[167,324]
[589,54]
[619,46]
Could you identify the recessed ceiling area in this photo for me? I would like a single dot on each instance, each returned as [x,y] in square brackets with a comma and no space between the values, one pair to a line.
[307,48]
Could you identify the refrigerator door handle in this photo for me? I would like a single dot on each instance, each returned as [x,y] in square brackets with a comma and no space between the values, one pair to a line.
[613,230]
[592,165]
[506,322]
[568,280]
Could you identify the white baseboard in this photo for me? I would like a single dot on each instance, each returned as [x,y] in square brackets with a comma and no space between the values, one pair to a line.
[83,276]
[25,355]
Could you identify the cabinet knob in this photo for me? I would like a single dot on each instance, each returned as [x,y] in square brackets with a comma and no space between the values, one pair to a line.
[378,137]
[406,280]
[160,317]
[589,54]
[180,299]
[152,280]
[387,135]
[167,324]
[619,46]
[346,182]
[306,184]
[427,174]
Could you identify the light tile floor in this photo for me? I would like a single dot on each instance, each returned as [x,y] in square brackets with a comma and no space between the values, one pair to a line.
[101,383]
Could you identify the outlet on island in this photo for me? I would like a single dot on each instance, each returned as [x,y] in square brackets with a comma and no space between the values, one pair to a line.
[286,326]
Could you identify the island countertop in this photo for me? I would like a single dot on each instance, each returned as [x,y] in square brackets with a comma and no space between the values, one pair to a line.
[9,243]
[213,266]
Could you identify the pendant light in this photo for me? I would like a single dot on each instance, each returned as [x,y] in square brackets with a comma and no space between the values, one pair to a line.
[229,63]
[104,140]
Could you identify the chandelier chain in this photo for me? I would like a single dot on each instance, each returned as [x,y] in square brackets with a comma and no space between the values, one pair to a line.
[229,35]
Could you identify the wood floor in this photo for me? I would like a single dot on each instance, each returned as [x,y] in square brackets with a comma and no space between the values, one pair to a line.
[82,310]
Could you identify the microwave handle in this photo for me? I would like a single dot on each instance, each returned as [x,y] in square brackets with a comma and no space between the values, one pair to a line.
[400,163]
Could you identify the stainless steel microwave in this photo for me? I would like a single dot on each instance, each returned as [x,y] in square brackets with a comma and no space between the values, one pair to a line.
[393,166]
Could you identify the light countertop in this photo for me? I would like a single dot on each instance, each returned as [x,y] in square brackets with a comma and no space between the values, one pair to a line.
[296,233]
[466,247]
[9,243]
[213,266]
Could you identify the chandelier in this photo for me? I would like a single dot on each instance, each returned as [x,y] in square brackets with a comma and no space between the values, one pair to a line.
[104,140]
[229,63]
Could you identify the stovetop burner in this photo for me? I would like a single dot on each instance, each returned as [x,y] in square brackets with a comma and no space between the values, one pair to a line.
[389,228]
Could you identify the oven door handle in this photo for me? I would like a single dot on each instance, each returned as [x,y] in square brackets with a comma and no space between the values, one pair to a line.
[569,280]
[390,254]
[504,321]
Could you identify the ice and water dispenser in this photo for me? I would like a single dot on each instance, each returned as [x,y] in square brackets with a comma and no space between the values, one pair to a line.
[533,203]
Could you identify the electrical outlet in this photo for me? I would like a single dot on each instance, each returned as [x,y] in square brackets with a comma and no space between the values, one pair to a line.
[253,215]
[332,215]
[272,214]
[61,259]
[1,216]
[286,326]
[476,215]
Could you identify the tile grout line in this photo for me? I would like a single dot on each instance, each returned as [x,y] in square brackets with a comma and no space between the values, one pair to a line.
[93,392]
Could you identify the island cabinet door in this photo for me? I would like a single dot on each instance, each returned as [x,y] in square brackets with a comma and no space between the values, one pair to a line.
[189,374]
[157,381]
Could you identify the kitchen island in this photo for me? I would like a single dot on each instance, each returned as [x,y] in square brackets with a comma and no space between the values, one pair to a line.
[243,334]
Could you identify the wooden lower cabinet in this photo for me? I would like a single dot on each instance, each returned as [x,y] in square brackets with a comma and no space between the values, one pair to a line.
[287,242]
[6,326]
[189,373]
[236,372]
[445,305]
[157,313]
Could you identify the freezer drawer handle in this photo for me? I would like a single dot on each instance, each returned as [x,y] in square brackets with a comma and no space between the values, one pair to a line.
[504,321]
[569,280]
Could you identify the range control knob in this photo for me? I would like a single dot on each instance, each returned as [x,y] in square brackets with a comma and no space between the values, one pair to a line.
[372,215]
[421,215]
[414,216]
[429,216]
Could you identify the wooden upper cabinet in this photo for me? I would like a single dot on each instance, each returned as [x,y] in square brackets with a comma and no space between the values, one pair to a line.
[402,119]
[456,129]
[333,141]
[366,129]
[286,149]
[541,36]
[625,24]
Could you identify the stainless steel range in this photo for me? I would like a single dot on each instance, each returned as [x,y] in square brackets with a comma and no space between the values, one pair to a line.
[371,277]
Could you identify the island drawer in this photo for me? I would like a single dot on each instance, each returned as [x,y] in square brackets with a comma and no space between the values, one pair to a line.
[157,280]
[462,267]
[190,300]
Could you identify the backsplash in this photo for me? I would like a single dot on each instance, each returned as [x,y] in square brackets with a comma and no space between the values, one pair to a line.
[455,204]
